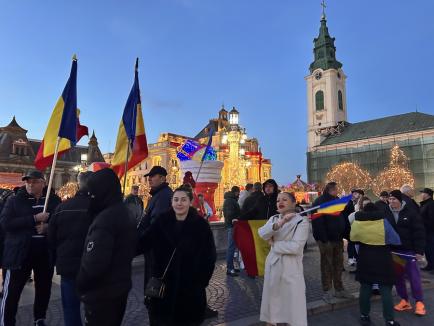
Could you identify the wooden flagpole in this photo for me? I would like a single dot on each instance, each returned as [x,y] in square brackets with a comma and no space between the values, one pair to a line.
[50,180]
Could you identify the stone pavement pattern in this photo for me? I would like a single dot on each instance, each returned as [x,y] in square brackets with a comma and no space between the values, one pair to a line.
[234,298]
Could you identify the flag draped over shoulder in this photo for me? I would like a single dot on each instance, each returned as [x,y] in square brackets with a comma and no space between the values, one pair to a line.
[63,123]
[131,134]
[374,232]
[334,207]
[254,249]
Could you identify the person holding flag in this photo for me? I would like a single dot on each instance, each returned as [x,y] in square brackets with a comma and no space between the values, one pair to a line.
[25,217]
[409,226]
[328,231]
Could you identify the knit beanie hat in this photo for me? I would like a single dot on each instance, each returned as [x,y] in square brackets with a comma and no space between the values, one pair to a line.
[397,194]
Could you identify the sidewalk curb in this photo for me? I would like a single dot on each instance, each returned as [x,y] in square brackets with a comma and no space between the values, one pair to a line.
[318,307]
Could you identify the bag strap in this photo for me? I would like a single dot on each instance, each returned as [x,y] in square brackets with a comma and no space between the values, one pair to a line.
[168,264]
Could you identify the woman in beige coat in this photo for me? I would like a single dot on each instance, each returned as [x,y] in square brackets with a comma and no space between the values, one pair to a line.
[284,293]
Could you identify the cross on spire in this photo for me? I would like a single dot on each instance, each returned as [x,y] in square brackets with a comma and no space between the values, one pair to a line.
[323,5]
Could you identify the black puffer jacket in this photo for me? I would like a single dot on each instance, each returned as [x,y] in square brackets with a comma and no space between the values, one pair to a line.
[19,225]
[409,228]
[231,209]
[328,227]
[374,263]
[105,271]
[160,202]
[252,208]
[269,202]
[191,268]
[67,231]
[427,213]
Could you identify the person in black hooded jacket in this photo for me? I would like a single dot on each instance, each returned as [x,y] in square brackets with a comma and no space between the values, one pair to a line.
[104,278]
[67,231]
[261,206]
[190,269]
[26,247]
[329,231]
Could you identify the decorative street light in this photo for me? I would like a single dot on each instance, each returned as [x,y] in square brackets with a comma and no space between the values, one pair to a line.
[233,116]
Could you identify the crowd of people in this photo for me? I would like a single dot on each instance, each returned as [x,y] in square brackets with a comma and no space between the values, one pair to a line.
[91,239]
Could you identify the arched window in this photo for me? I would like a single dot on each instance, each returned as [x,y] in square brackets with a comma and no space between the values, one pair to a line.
[340,100]
[319,101]
[156,160]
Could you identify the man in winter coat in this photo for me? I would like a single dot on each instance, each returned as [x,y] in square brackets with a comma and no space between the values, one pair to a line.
[245,193]
[104,278]
[427,214]
[409,226]
[134,203]
[328,231]
[26,247]
[160,202]
[66,234]
[407,193]
[231,212]
[251,208]
[383,203]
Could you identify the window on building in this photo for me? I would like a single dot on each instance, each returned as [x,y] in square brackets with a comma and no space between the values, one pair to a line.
[156,160]
[340,100]
[319,101]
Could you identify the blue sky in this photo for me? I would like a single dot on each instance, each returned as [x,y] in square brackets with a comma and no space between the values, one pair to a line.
[197,54]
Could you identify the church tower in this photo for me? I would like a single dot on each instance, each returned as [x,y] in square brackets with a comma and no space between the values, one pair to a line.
[326,96]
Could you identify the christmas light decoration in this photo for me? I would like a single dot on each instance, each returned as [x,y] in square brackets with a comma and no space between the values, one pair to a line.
[396,174]
[349,175]
[68,190]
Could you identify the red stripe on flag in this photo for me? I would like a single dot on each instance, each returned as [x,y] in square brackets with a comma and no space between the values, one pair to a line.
[245,243]
[316,215]
[42,162]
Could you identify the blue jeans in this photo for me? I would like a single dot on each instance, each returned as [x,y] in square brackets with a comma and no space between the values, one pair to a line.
[70,302]
[231,250]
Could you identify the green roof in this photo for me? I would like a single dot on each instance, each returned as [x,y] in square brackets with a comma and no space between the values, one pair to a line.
[397,124]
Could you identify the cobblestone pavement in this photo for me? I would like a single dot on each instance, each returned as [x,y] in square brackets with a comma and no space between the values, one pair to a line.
[234,298]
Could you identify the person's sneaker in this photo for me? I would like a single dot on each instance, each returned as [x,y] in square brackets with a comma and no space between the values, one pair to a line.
[403,305]
[231,273]
[365,320]
[420,309]
[392,323]
[343,294]
[40,322]
[328,297]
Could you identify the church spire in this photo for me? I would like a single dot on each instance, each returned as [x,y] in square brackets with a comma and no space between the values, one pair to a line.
[324,49]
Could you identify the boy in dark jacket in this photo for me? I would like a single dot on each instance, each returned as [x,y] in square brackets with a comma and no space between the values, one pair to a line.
[407,223]
[231,212]
[104,279]
[328,231]
[66,234]
[26,247]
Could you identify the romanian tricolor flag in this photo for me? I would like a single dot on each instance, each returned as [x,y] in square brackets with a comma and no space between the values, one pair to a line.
[334,207]
[374,232]
[253,248]
[131,143]
[64,123]
[400,260]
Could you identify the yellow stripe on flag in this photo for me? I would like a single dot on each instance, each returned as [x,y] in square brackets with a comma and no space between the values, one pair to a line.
[368,232]
[262,247]
[332,209]
[121,146]
[50,136]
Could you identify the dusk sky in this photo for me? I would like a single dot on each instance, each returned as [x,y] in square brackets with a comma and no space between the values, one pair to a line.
[197,54]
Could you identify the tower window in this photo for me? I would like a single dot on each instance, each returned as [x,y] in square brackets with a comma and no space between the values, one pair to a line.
[319,101]
[340,100]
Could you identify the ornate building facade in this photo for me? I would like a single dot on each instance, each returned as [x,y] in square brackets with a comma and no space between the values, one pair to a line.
[241,155]
[332,139]
[17,154]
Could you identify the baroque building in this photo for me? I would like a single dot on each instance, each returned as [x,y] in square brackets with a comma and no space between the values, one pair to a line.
[17,155]
[332,139]
[241,155]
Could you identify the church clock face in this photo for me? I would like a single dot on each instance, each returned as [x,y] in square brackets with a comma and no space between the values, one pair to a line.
[318,75]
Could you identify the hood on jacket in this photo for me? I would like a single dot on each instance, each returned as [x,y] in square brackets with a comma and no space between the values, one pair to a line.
[274,184]
[230,194]
[105,190]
